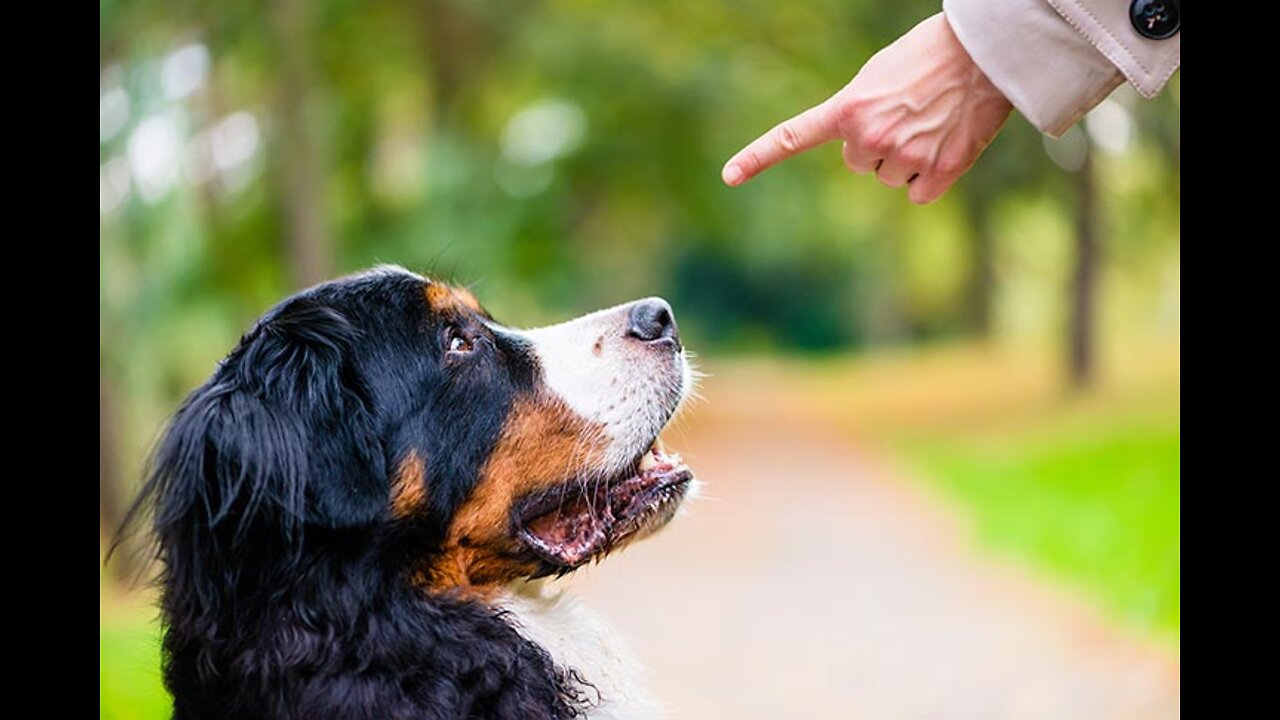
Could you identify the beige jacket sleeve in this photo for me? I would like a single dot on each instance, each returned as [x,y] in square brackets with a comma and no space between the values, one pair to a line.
[1056,59]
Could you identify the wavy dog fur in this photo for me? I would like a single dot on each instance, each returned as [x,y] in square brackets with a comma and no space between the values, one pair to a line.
[287,580]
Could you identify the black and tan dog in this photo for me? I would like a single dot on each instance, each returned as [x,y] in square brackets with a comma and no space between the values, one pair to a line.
[350,511]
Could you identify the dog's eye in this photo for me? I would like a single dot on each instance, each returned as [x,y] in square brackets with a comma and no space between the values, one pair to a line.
[457,343]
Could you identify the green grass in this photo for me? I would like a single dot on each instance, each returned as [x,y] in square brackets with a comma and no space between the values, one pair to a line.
[129,686]
[1092,496]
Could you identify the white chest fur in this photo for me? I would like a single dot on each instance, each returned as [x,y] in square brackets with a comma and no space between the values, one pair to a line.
[578,638]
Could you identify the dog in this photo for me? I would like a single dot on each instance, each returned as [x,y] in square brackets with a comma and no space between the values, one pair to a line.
[358,514]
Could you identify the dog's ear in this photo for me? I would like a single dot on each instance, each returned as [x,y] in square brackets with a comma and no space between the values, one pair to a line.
[303,372]
[282,435]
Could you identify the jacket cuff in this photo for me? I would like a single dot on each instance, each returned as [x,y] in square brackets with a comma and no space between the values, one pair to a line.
[1043,66]
[1146,63]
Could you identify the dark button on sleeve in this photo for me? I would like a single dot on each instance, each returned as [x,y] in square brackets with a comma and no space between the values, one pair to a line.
[1156,19]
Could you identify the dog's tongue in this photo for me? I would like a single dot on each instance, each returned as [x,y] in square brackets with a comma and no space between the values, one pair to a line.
[583,523]
[572,533]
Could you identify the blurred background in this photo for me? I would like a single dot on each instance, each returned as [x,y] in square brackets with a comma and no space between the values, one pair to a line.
[941,444]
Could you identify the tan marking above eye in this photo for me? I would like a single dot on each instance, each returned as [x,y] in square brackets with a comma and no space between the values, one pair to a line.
[438,295]
[454,300]
[469,300]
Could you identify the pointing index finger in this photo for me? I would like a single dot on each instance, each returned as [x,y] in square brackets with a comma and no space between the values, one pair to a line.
[805,131]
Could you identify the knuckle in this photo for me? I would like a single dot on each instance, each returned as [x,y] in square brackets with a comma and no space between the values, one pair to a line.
[787,138]
[912,158]
[849,111]
[949,164]
[878,142]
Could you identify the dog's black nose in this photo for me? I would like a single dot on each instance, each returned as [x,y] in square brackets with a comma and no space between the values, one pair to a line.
[651,320]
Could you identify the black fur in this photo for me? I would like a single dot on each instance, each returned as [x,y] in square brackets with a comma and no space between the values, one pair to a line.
[285,588]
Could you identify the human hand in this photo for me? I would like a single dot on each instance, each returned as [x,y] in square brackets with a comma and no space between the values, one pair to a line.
[918,113]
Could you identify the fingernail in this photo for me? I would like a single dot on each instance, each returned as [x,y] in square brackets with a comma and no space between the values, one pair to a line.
[732,175]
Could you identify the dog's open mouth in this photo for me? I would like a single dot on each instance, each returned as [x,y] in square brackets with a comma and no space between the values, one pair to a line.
[570,524]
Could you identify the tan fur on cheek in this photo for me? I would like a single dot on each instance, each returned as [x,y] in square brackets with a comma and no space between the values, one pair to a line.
[544,445]
[409,488]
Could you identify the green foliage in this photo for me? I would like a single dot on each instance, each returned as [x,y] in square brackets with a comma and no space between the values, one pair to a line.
[559,157]
[412,108]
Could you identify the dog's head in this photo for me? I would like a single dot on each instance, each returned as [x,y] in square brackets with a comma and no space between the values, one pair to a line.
[390,413]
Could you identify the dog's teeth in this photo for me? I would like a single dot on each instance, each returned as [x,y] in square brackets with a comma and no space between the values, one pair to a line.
[648,461]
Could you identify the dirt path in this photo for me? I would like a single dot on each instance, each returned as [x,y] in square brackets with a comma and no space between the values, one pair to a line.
[813,583]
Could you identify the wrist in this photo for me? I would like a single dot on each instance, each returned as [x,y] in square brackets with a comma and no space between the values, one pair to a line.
[980,87]
[1033,57]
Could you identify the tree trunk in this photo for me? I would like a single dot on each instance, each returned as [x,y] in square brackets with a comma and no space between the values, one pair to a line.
[980,284]
[310,252]
[1084,281]
[111,507]
[444,34]
[457,41]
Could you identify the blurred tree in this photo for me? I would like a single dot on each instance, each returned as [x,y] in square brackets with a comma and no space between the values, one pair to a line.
[1084,277]
[111,507]
[301,174]
[565,155]
[1014,163]
[980,281]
